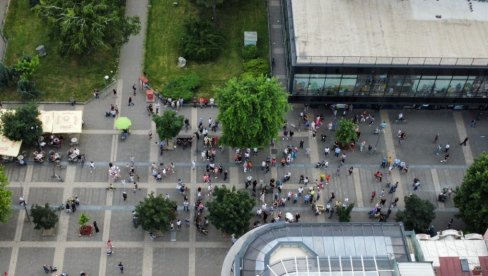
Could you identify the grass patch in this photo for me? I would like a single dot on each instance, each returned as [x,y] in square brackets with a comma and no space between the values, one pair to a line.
[60,78]
[165,27]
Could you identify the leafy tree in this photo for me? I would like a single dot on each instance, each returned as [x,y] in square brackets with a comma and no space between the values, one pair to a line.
[256,67]
[471,197]
[418,214]
[155,213]
[168,125]
[5,197]
[182,87]
[251,110]
[346,133]
[82,26]
[26,67]
[43,217]
[23,125]
[231,210]
[202,41]
[344,213]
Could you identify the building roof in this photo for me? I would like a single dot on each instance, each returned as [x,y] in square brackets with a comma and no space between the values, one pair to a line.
[415,269]
[434,250]
[290,247]
[394,31]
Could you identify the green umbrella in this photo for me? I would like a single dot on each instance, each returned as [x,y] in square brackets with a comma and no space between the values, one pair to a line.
[122,123]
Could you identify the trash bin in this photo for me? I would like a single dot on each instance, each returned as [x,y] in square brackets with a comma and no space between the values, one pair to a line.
[41,50]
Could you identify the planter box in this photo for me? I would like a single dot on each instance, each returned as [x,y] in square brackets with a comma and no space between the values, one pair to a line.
[86,230]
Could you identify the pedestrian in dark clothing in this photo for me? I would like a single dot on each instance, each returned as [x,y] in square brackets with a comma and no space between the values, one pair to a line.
[463,143]
[301,144]
[73,207]
[332,196]
[265,216]
[225,175]
[130,102]
[134,89]
[436,137]
[124,195]
[350,170]
[95,225]
[121,267]
[115,92]
[297,217]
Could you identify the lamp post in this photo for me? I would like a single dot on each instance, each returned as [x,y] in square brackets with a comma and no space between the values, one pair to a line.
[106,79]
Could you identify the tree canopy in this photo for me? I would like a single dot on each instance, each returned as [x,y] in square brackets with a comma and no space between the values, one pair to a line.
[5,197]
[43,217]
[251,110]
[346,133]
[231,210]
[344,213]
[83,26]
[418,214]
[471,197]
[169,124]
[202,41]
[23,125]
[155,213]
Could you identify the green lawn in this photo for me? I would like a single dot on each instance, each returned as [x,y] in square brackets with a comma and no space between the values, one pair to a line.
[165,27]
[58,77]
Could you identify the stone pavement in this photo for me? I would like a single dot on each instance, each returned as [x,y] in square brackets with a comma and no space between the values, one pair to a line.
[23,250]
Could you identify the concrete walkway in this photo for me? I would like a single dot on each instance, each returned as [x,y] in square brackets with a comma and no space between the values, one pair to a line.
[278,51]
[3,15]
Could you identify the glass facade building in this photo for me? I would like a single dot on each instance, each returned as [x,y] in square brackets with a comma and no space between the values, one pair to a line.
[373,80]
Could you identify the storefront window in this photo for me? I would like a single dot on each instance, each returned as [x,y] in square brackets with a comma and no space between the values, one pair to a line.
[394,86]
[456,87]
[409,86]
[301,83]
[471,86]
[481,87]
[332,83]
[362,85]
[347,85]
[425,86]
[316,84]
[378,86]
[441,86]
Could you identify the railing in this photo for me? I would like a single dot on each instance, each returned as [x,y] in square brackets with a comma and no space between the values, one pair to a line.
[383,60]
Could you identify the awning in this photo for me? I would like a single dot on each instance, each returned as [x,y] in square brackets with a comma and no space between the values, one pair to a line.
[46,118]
[67,121]
[9,147]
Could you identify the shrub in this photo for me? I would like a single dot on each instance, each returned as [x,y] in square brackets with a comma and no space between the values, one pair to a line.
[6,75]
[43,217]
[84,218]
[202,41]
[26,66]
[182,87]
[256,67]
[28,90]
[249,52]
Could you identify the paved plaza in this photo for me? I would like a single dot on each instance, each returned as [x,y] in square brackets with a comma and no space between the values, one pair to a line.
[23,250]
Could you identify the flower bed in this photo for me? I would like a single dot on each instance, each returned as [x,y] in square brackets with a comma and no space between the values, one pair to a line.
[86,230]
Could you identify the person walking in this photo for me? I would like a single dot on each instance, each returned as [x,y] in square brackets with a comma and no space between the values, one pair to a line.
[373,195]
[134,89]
[436,138]
[92,167]
[115,92]
[446,156]
[350,170]
[121,267]
[463,143]
[124,195]
[130,102]
[95,225]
